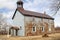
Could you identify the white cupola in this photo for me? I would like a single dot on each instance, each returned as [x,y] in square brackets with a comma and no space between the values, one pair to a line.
[20,4]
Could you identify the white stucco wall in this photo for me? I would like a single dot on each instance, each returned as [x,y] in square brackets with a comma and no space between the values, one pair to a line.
[19,21]
[51,22]
[27,18]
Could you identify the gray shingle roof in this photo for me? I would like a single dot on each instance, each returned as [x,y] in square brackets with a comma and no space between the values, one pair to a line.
[31,13]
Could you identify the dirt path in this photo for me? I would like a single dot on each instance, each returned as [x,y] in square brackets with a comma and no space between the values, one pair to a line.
[55,36]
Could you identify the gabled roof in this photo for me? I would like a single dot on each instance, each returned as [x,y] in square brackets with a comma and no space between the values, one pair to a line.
[31,13]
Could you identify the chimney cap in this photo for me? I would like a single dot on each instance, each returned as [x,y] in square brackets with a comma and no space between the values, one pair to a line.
[44,12]
[19,2]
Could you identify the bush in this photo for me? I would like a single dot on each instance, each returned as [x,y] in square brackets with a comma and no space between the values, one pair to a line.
[45,35]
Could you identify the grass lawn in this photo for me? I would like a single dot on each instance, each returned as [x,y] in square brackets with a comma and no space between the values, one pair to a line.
[55,36]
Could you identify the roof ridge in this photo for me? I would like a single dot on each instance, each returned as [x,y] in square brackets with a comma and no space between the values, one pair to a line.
[33,13]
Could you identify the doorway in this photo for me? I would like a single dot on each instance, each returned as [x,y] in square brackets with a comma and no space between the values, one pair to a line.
[13,31]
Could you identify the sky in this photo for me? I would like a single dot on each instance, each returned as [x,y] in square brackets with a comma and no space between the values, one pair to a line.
[7,8]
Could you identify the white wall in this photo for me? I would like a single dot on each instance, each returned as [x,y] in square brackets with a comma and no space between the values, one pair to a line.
[19,21]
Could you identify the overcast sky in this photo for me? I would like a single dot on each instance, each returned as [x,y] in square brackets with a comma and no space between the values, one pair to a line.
[7,8]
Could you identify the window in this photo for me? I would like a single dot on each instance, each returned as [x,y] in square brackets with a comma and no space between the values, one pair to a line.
[19,5]
[49,28]
[42,29]
[34,29]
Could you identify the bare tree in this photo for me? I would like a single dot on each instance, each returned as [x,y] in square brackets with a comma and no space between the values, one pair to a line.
[3,24]
[55,6]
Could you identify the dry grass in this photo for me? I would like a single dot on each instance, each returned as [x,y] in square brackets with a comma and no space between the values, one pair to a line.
[55,36]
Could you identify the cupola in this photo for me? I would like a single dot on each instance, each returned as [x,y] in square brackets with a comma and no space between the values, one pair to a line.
[20,4]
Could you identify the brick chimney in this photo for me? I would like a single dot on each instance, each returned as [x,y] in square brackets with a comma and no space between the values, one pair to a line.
[44,12]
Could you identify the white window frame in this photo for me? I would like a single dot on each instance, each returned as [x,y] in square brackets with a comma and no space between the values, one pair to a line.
[42,28]
[49,29]
[19,5]
[33,29]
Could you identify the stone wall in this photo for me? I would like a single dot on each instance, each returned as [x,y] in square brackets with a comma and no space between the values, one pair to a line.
[39,23]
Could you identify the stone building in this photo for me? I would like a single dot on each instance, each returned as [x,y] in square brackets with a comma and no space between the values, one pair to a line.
[31,23]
